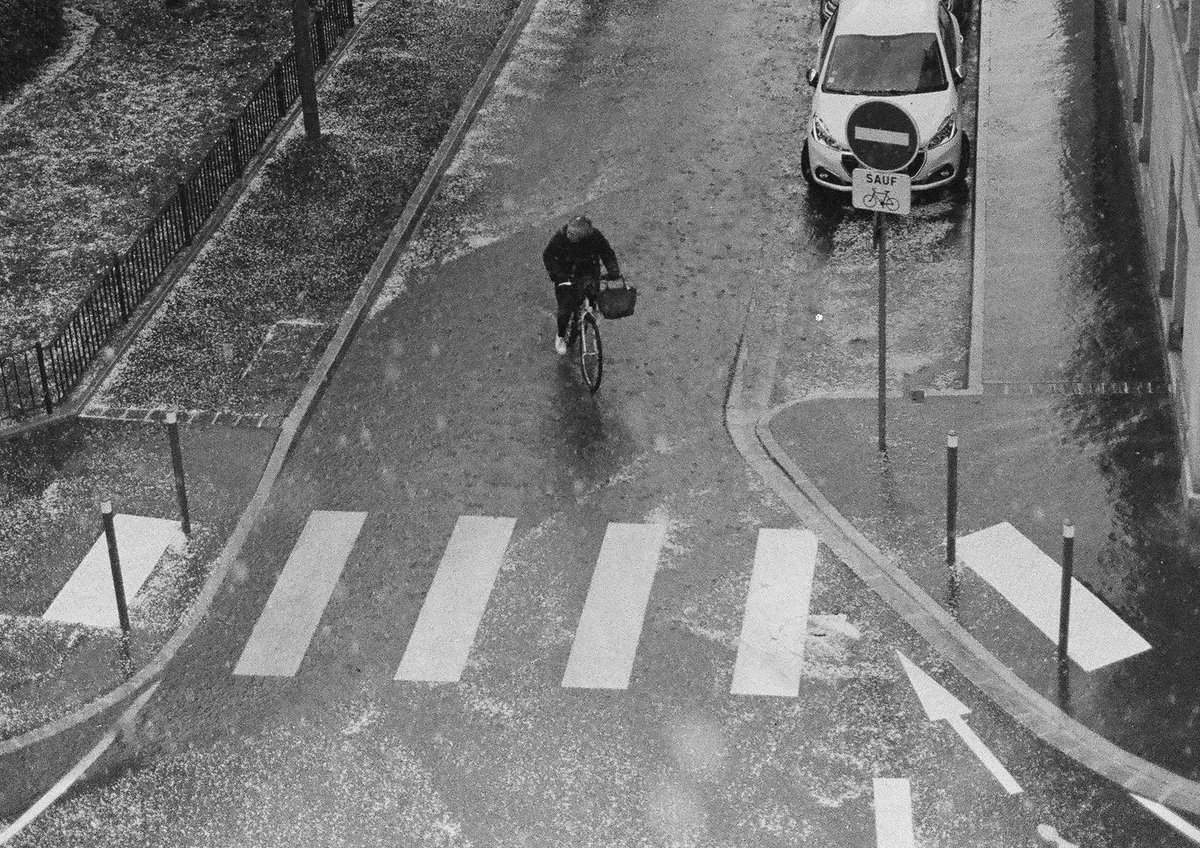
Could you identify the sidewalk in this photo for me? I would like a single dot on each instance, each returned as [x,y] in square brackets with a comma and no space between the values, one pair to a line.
[1043,437]
[241,405]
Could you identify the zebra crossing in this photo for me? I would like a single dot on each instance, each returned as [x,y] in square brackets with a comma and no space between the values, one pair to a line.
[770,650]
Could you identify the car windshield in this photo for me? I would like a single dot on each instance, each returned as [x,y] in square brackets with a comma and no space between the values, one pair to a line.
[885,65]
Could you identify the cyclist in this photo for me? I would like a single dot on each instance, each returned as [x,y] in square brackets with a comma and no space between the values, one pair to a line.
[572,259]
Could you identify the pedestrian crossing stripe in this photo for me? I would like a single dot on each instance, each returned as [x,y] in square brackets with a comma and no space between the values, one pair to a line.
[441,640]
[88,597]
[771,649]
[893,813]
[610,627]
[1030,580]
[281,635]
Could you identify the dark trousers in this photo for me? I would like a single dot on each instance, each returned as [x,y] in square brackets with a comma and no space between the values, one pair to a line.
[568,296]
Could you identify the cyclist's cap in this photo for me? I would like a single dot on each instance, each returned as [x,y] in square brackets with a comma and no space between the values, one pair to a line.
[579,226]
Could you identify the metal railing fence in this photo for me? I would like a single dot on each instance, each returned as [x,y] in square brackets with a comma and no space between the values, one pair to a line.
[39,377]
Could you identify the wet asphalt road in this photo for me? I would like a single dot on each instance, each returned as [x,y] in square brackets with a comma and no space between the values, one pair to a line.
[674,126]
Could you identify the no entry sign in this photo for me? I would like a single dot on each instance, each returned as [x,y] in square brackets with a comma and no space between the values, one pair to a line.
[882,135]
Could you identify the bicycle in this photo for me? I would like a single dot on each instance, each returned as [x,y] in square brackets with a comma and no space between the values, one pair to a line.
[883,198]
[584,326]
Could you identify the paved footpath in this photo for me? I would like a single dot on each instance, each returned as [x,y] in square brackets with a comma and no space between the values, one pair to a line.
[1044,438]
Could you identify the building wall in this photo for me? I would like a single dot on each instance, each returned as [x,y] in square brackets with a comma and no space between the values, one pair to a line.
[1157,73]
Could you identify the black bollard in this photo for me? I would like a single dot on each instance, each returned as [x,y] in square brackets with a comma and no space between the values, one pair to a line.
[177,464]
[114,561]
[1064,604]
[951,495]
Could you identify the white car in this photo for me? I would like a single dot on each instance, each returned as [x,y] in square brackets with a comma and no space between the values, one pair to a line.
[905,52]
[954,7]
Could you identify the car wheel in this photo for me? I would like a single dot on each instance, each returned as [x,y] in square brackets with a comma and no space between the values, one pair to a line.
[806,169]
[964,164]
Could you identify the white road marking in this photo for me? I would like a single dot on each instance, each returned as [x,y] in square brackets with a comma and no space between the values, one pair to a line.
[1050,835]
[771,649]
[1031,581]
[281,635]
[881,136]
[88,596]
[989,760]
[611,624]
[940,705]
[445,630]
[1170,817]
[893,813]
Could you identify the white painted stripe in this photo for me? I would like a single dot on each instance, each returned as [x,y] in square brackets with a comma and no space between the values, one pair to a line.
[990,761]
[1170,817]
[283,630]
[611,624]
[893,813]
[881,136]
[1030,580]
[88,597]
[445,629]
[771,649]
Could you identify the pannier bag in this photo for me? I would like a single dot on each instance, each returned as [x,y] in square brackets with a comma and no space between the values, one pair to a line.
[617,301]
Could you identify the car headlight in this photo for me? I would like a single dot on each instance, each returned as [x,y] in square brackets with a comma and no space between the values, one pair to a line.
[822,134]
[944,133]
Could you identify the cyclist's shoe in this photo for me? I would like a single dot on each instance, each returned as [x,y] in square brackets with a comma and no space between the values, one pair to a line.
[560,345]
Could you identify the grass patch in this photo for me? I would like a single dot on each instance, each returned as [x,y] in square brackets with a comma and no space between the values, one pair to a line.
[301,243]
[86,162]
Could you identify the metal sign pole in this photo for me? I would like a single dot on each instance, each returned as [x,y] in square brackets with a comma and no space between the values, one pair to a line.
[881,229]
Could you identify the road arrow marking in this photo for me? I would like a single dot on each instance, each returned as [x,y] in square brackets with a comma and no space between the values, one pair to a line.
[1173,819]
[940,705]
[893,813]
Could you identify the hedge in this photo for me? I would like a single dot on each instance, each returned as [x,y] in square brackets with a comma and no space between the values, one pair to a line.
[30,31]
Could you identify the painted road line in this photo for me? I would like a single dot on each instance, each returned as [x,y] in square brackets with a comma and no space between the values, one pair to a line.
[1030,580]
[1050,834]
[281,635]
[940,705]
[441,639]
[893,813]
[1170,817]
[88,596]
[611,624]
[771,649]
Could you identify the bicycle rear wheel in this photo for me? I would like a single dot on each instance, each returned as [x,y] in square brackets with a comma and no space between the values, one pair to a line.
[591,352]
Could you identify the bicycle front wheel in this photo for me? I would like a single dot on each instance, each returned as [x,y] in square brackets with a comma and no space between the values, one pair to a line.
[591,352]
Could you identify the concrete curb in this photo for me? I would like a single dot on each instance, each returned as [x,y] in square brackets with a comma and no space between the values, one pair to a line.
[979,195]
[749,427]
[750,430]
[294,422]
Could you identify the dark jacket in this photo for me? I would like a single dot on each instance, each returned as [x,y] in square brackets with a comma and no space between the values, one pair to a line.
[567,260]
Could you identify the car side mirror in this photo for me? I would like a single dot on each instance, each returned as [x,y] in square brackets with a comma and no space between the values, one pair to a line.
[811,76]
[958,75]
